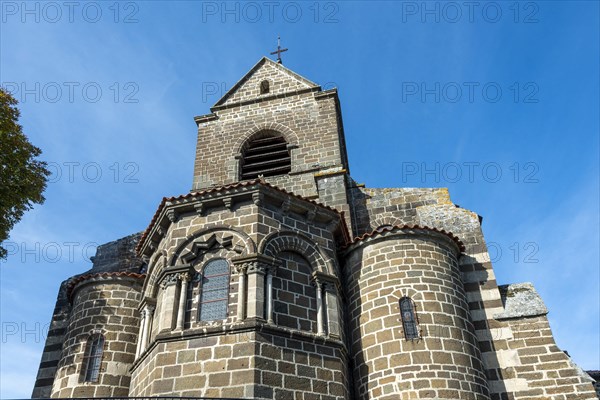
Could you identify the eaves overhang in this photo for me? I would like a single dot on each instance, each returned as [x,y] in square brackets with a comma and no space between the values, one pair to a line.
[404,230]
[257,191]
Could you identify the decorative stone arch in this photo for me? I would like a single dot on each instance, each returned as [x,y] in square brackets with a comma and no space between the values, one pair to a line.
[238,149]
[399,293]
[278,242]
[155,265]
[385,220]
[245,244]
[290,136]
[414,295]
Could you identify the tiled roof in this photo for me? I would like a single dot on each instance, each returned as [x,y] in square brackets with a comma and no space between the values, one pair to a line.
[384,229]
[258,181]
[594,374]
[72,283]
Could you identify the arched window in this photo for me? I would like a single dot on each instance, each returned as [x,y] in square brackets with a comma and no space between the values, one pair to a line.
[266,155]
[214,290]
[264,87]
[93,357]
[409,318]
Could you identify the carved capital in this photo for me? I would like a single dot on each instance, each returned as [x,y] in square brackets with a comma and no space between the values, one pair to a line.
[148,310]
[184,277]
[168,281]
[272,267]
[256,267]
[330,287]
[317,282]
[328,282]
[255,263]
[241,268]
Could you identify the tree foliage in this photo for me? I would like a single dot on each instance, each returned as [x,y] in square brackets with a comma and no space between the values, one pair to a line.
[22,177]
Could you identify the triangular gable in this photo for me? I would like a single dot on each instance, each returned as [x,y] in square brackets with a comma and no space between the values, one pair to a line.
[281,81]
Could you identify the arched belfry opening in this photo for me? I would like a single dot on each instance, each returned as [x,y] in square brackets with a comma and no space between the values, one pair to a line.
[265,154]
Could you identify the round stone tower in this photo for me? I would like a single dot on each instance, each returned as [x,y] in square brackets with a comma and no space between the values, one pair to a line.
[410,331]
[100,341]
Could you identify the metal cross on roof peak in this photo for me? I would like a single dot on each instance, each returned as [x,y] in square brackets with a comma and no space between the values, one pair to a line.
[279,49]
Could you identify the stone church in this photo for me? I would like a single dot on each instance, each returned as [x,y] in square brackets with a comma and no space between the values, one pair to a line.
[279,277]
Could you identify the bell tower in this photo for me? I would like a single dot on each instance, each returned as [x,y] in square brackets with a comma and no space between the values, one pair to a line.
[278,125]
[243,294]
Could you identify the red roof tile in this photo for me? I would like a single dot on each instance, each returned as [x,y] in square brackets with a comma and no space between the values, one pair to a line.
[382,230]
[71,285]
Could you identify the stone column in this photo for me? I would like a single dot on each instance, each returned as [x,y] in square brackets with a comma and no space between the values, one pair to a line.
[333,318]
[184,278]
[241,306]
[256,290]
[320,330]
[270,273]
[148,311]
[138,348]
[168,286]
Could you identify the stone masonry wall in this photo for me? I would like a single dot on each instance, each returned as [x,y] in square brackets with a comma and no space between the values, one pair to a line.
[281,81]
[445,363]
[294,297]
[205,366]
[541,370]
[302,368]
[229,357]
[244,365]
[473,338]
[108,308]
[372,208]
[497,341]
[529,359]
[116,256]
[308,124]
[53,347]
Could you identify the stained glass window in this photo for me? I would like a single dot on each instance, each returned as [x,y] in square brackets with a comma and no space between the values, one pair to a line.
[409,321]
[93,357]
[214,290]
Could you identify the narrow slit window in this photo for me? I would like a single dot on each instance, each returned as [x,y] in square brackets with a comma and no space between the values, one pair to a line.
[409,318]
[93,357]
[214,290]
[264,87]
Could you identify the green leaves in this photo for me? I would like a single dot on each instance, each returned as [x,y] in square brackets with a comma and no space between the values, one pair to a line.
[22,177]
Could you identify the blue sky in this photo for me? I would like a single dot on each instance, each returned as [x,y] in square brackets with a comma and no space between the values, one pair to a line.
[499,103]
